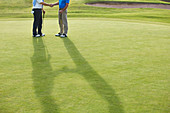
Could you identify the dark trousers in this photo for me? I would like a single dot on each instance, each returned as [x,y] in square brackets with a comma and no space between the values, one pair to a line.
[37,21]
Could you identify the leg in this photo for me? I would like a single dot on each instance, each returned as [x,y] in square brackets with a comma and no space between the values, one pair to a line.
[40,22]
[35,23]
[64,19]
[60,22]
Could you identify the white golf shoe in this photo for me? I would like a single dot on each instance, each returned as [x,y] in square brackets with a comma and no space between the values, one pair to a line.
[38,35]
[63,35]
[58,34]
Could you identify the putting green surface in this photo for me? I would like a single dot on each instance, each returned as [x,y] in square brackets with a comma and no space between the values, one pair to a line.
[105,66]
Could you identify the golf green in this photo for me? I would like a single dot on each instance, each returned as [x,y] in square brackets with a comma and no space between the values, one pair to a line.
[104,66]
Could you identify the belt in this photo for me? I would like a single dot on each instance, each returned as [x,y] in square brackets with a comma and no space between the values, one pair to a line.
[36,9]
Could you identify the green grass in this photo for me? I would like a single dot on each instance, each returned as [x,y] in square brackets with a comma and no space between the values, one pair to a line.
[105,66]
[114,61]
[77,8]
[151,1]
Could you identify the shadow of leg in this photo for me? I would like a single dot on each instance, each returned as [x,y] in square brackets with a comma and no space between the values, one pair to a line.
[43,77]
[93,78]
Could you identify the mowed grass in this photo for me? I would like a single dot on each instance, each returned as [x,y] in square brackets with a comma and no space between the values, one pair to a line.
[77,8]
[105,66]
[151,1]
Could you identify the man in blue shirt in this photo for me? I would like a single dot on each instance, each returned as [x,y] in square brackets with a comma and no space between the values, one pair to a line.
[62,16]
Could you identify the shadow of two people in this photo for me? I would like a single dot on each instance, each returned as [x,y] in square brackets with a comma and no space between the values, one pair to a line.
[43,77]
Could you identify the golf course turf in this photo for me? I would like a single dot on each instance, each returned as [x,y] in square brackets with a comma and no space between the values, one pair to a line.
[113,61]
[104,66]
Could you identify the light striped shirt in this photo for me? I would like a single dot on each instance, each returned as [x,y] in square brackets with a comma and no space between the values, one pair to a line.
[38,5]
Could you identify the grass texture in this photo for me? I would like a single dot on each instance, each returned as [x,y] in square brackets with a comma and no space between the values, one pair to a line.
[77,8]
[105,66]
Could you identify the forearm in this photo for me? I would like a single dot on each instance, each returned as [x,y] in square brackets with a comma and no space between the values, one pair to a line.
[65,7]
[56,3]
[46,4]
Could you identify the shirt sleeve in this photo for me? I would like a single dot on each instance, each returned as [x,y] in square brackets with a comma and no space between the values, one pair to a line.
[67,1]
[39,1]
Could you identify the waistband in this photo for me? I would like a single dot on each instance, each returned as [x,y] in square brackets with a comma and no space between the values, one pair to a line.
[36,9]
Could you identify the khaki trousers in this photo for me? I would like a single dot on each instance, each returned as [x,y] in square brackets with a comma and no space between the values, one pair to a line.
[62,17]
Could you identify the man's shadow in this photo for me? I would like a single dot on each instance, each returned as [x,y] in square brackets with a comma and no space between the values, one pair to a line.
[43,76]
[93,78]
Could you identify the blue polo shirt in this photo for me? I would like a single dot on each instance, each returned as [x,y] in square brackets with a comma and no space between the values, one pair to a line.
[62,3]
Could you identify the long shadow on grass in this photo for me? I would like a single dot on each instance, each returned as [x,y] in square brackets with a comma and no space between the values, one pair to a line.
[43,76]
[93,78]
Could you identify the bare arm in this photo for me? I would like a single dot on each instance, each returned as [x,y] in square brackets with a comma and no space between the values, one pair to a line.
[67,4]
[46,4]
[56,4]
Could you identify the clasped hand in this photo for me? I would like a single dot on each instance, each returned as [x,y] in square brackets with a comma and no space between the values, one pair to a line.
[51,5]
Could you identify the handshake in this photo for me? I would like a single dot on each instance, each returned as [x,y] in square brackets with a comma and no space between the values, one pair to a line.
[51,5]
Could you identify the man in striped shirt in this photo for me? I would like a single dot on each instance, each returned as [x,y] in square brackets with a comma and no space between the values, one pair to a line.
[37,12]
